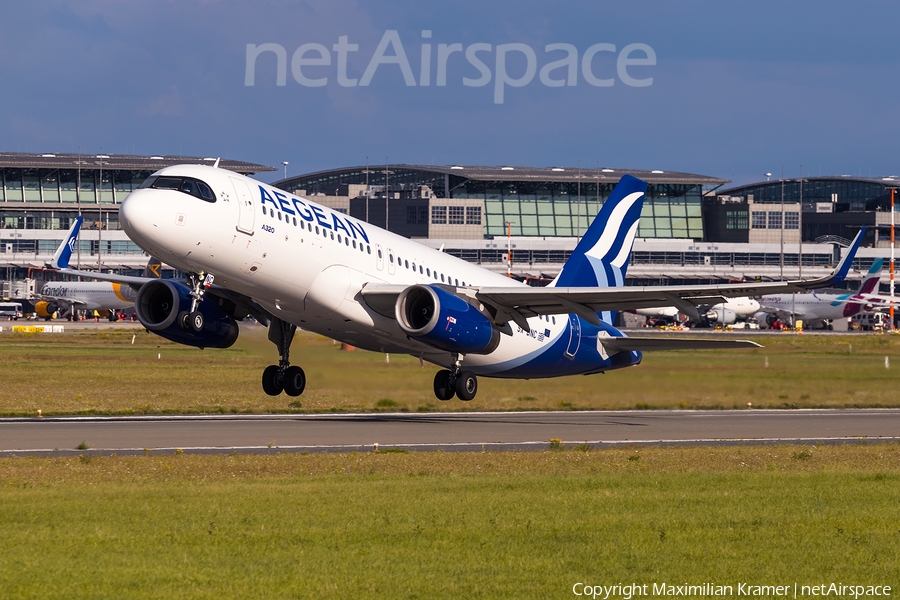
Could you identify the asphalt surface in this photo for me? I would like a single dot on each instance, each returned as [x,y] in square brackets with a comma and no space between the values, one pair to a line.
[439,431]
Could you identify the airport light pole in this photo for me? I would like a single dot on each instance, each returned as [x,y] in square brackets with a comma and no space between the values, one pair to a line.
[509,249]
[285,163]
[892,259]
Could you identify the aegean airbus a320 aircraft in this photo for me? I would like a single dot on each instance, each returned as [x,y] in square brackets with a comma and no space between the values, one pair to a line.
[252,249]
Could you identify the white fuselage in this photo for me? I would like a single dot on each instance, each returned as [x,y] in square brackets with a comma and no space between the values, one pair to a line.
[742,307]
[307,264]
[814,308]
[89,295]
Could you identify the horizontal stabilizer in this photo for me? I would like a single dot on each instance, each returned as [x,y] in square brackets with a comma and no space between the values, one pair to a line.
[648,344]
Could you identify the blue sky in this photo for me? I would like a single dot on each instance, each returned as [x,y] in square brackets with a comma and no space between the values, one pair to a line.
[735,89]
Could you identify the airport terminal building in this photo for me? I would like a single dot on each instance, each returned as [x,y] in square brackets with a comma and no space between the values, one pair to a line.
[478,202]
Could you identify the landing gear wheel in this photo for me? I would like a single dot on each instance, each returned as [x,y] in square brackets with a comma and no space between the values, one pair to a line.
[272,380]
[196,320]
[184,320]
[442,388]
[466,385]
[294,381]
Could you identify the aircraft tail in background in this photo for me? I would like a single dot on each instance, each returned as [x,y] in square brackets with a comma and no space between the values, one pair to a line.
[65,250]
[869,285]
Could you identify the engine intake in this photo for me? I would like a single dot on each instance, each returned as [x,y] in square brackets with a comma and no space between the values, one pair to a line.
[438,318]
[159,304]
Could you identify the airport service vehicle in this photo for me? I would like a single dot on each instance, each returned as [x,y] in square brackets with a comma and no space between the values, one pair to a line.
[817,310]
[252,249]
[870,321]
[10,310]
[68,296]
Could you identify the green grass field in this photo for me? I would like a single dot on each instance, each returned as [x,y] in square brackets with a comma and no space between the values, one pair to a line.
[439,525]
[93,372]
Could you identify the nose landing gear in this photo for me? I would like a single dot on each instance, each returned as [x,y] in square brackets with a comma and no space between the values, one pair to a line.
[283,377]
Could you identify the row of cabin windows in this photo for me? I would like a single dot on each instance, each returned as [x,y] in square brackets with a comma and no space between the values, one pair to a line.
[424,270]
[321,232]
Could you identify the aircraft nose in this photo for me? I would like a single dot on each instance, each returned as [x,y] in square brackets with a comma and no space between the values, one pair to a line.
[136,215]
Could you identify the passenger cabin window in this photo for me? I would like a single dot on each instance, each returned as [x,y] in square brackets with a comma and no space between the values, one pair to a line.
[188,185]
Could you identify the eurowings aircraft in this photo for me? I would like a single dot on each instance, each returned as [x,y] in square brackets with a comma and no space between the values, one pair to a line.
[817,309]
[251,249]
[67,296]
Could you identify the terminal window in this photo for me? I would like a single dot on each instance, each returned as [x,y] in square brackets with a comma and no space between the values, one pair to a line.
[473,215]
[759,219]
[774,220]
[457,215]
[792,220]
[438,215]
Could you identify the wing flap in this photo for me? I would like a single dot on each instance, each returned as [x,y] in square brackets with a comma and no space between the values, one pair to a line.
[649,344]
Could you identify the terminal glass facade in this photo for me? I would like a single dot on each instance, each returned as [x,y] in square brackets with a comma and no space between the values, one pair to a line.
[532,208]
[847,194]
[68,186]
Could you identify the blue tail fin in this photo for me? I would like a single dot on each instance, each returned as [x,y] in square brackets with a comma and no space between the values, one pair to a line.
[64,252]
[601,257]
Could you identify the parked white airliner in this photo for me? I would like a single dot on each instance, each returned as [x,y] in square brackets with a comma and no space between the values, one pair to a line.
[254,249]
[724,313]
[68,296]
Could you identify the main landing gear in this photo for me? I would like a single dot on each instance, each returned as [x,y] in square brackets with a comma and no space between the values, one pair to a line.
[283,377]
[450,382]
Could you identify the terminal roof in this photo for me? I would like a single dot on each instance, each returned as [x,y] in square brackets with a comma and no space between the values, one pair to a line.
[24,160]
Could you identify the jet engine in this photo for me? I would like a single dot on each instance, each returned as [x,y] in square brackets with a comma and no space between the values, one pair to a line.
[45,309]
[765,319]
[438,318]
[723,316]
[162,306]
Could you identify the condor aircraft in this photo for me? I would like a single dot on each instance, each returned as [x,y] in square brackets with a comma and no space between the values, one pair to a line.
[69,296]
[251,249]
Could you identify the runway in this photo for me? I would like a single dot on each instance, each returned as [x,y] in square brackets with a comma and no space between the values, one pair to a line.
[439,431]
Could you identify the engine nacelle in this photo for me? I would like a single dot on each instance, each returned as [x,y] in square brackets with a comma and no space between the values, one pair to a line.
[764,319]
[436,317]
[725,316]
[159,304]
[45,309]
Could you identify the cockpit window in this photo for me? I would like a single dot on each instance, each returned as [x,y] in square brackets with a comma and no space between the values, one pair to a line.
[188,185]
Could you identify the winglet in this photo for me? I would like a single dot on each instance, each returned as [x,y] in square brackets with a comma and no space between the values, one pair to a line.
[840,273]
[64,252]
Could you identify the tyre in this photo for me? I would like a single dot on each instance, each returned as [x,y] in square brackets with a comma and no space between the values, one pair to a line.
[294,381]
[196,321]
[272,381]
[442,388]
[184,320]
[466,385]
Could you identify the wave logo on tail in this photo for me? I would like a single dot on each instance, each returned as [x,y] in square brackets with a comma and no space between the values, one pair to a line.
[601,257]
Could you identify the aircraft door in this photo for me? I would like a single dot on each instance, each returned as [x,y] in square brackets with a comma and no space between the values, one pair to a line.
[574,336]
[379,257]
[246,214]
